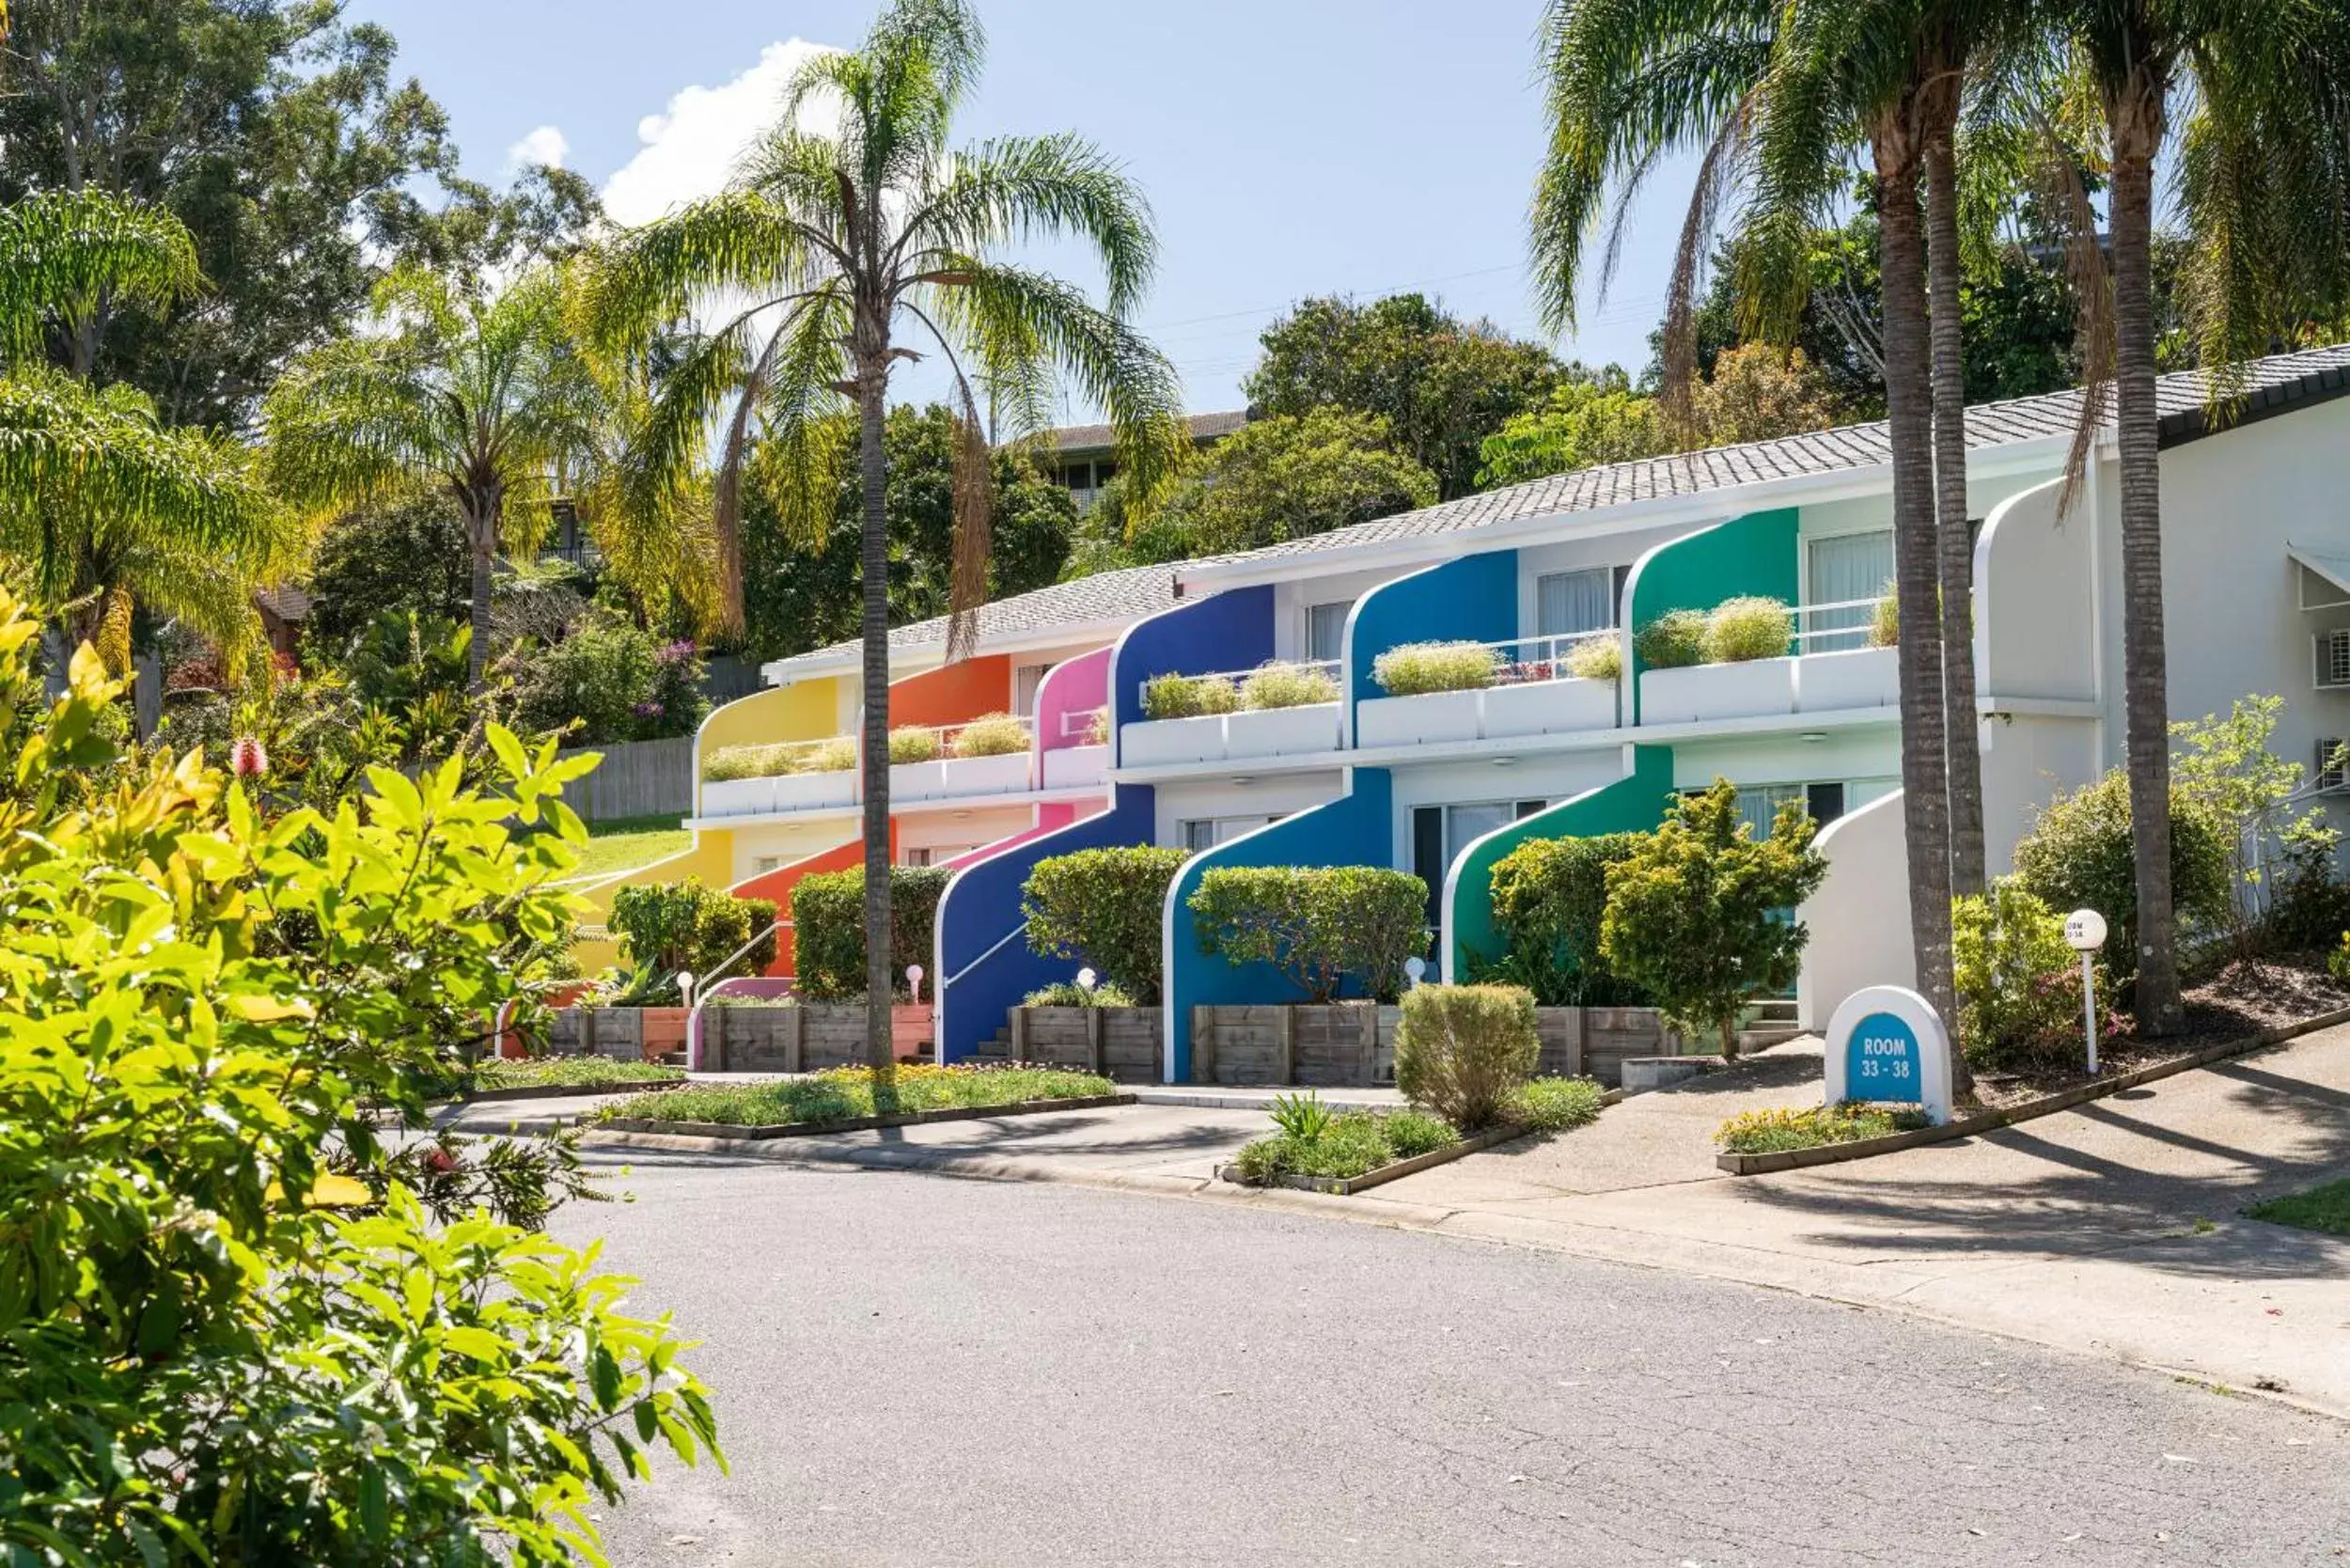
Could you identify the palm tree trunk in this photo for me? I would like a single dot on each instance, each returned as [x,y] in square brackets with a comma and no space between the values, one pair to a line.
[1955,542]
[872,475]
[2136,133]
[1917,568]
[481,542]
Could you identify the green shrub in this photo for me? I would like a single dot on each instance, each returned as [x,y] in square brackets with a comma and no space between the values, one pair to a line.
[1770,1131]
[1696,913]
[1885,621]
[1747,627]
[992,735]
[1317,924]
[2337,962]
[1106,907]
[2018,994]
[1596,659]
[914,743]
[828,928]
[1070,994]
[1300,1116]
[1282,685]
[1673,640]
[1549,896]
[608,681]
[1174,696]
[1436,667]
[2309,907]
[665,927]
[1555,1105]
[2078,856]
[1412,1133]
[1462,1051]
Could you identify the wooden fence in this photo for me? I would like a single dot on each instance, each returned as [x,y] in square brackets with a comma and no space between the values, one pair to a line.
[637,778]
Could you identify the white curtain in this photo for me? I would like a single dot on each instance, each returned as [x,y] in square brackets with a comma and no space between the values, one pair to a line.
[1846,567]
[1566,602]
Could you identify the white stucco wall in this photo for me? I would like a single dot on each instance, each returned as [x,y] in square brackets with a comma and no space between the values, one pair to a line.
[1860,918]
[1269,795]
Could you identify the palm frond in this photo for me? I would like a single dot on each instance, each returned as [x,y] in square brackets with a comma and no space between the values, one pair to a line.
[1018,189]
[64,252]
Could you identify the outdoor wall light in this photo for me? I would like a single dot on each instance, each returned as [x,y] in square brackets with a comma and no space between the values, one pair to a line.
[1813,737]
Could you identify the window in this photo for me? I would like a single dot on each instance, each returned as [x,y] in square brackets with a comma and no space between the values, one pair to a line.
[1439,833]
[762,864]
[2331,771]
[918,856]
[1026,679]
[1326,630]
[1758,804]
[1208,832]
[1841,569]
[1566,602]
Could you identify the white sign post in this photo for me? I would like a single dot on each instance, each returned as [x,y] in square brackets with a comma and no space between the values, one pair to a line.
[2085,933]
[1887,1044]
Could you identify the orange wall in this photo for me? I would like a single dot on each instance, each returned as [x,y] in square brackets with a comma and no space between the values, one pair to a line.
[777,884]
[953,693]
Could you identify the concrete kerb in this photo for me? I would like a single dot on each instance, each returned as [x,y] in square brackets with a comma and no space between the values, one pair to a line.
[1987,1122]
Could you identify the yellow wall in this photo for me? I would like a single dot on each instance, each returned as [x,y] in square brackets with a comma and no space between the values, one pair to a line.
[804,711]
[711,860]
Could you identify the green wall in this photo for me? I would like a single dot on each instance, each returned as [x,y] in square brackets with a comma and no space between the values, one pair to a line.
[1758,554]
[1632,803]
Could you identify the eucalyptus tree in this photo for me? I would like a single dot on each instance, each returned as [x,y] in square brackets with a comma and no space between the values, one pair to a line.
[837,255]
[481,394]
[102,507]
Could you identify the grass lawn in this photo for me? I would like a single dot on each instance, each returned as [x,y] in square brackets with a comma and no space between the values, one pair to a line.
[2324,1209]
[624,843]
[544,1072]
[846,1093]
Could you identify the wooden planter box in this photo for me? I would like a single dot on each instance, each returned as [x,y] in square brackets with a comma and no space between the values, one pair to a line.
[1610,1034]
[1124,1043]
[1330,1045]
[662,1030]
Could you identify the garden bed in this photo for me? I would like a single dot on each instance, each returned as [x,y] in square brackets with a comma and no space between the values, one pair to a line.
[552,1078]
[841,1101]
[1360,1149]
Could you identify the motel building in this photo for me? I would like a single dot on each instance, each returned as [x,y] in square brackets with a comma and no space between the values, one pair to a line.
[1443,784]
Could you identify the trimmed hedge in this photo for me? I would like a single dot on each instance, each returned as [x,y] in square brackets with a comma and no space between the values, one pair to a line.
[1463,1052]
[666,927]
[828,928]
[1549,897]
[1319,925]
[991,735]
[1105,906]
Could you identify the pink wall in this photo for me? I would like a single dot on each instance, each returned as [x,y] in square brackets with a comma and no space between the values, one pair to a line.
[1078,686]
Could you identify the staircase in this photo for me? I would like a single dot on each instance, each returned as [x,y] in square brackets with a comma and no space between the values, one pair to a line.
[1767,1023]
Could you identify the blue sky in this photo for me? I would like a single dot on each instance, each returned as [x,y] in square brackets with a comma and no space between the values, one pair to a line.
[1287,146]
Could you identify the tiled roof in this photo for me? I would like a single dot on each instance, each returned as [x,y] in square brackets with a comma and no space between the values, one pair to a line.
[1115,597]
[287,602]
[2269,386]
[1088,438]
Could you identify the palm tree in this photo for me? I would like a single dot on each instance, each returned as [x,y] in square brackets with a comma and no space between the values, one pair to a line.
[482,395]
[820,268]
[104,508]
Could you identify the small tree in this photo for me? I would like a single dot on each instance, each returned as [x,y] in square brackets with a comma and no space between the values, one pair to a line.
[2226,766]
[828,928]
[1701,914]
[1549,898]
[669,927]
[1107,906]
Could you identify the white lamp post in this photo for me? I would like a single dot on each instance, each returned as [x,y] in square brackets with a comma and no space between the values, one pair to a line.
[913,981]
[1086,979]
[2085,933]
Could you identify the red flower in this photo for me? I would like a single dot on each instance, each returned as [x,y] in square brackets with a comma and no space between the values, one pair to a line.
[246,758]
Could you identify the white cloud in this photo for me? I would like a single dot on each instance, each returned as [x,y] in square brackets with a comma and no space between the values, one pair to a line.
[690,148]
[546,144]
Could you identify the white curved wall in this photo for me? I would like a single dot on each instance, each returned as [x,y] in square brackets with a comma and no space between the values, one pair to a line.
[1860,918]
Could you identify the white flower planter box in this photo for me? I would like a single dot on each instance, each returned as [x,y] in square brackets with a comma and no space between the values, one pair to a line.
[1076,767]
[1549,707]
[1183,739]
[809,792]
[738,797]
[918,780]
[1268,732]
[1417,720]
[1005,775]
[1756,688]
[1856,677]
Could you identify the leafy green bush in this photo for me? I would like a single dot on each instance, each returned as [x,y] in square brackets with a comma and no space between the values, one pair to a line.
[1343,1146]
[1174,696]
[1596,659]
[1695,913]
[2337,962]
[1282,685]
[616,681]
[2078,856]
[1549,896]
[913,745]
[1771,1132]
[1463,1050]
[1106,907]
[2309,906]
[1098,727]
[665,927]
[1436,667]
[1554,1105]
[992,735]
[1673,640]
[1747,627]
[1317,924]
[1300,1116]
[2018,997]
[1070,994]
[828,928]
[218,1347]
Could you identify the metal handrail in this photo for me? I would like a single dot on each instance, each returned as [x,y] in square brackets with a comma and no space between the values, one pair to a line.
[1001,943]
[1075,721]
[1238,677]
[704,989]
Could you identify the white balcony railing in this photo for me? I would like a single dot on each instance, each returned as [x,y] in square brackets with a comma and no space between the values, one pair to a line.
[1237,731]
[1238,678]
[1832,667]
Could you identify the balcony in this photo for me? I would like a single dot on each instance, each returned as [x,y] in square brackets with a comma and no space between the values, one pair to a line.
[1234,716]
[1522,687]
[1081,756]
[1831,670]
[991,755]
[789,775]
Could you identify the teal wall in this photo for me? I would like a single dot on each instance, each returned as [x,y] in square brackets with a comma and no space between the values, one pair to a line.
[1632,803]
[1758,554]
[1474,599]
